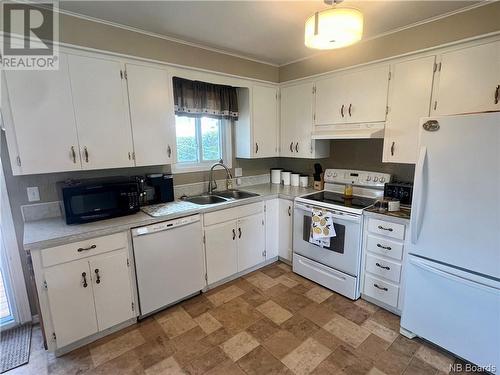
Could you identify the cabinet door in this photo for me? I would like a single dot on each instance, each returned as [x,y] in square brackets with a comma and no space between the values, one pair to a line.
[251,241]
[43,119]
[221,251]
[71,301]
[272,228]
[151,115]
[101,109]
[296,118]
[112,288]
[285,228]
[367,95]
[409,100]
[265,121]
[331,100]
[468,80]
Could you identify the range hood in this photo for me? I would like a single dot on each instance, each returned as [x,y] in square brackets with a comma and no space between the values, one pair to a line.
[349,131]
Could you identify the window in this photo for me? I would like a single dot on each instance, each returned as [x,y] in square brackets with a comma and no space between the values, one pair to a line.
[201,141]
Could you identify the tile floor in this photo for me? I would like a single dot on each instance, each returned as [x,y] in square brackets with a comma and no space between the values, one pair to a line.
[271,321]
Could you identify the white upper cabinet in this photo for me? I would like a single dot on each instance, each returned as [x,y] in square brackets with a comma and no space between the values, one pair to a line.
[101,109]
[151,114]
[42,115]
[331,98]
[296,124]
[265,121]
[469,81]
[352,97]
[257,126]
[409,100]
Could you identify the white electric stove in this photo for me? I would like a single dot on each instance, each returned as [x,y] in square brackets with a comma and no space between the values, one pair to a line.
[336,266]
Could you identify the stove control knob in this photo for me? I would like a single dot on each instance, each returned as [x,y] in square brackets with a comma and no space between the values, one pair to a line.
[368,178]
[375,179]
[334,174]
[382,179]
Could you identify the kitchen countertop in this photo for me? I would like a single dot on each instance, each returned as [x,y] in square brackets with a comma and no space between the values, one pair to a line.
[45,233]
[403,214]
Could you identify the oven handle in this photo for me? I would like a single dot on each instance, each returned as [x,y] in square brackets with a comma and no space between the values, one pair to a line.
[344,216]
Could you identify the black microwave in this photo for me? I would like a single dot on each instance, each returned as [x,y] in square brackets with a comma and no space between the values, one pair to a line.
[91,200]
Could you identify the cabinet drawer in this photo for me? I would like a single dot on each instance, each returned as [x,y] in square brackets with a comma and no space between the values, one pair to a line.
[381,290]
[82,249]
[386,228]
[384,268]
[384,246]
[232,213]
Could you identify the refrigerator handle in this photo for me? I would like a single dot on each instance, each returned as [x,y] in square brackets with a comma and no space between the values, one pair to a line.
[418,193]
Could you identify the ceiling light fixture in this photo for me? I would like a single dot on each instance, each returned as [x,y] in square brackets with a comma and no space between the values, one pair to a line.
[333,28]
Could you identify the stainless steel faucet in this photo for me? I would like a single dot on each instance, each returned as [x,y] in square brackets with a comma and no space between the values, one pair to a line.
[212,184]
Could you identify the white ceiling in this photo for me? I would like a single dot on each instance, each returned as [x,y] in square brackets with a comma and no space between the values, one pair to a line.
[269,31]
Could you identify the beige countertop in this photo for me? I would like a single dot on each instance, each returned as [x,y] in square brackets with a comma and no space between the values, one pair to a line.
[45,233]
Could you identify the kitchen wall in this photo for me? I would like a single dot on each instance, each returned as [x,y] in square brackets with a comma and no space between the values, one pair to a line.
[361,154]
[475,22]
[81,32]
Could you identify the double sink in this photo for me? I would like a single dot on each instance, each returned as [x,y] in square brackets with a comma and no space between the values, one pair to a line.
[219,197]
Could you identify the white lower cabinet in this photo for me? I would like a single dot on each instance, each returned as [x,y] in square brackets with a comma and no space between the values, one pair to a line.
[221,251]
[285,229]
[383,262]
[272,228]
[111,286]
[86,290]
[71,301]
[235,240]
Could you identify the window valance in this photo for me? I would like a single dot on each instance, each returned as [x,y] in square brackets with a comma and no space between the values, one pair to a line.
[196,99]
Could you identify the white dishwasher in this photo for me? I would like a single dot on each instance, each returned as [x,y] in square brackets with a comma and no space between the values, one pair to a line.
[169,262]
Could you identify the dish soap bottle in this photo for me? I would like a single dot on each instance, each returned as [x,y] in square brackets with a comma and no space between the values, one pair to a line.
[348,191]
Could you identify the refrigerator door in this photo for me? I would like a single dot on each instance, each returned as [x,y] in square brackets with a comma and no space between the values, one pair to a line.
[454,309]
[456,197]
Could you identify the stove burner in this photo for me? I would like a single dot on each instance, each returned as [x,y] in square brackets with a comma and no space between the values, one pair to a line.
[338,199]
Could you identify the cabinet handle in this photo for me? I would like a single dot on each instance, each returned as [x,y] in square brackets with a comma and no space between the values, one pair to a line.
[291,147]
[384,267]
[384,228]
[497,94]
[392,148]
[289,210]
[80,249]
[73,154]
[84,275]
[239,232]
[234,234]
[349,110]
[384,247]
[342,111]
[297,147]
[256,147]
[381,288]
[169,151]
[86,153]
[98,278]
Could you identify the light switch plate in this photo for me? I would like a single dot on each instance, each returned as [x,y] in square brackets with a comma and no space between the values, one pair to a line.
[33,194]
[238,172]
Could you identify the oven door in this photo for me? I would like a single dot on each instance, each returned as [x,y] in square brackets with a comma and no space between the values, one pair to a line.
[344,251]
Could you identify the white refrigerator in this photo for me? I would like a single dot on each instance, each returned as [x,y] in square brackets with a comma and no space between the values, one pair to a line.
[453,269]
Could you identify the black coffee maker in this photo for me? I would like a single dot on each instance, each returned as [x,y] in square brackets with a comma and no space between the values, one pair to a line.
[163,187]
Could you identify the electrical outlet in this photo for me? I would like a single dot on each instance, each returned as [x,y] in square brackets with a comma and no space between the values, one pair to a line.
[33,194]
[238,172]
